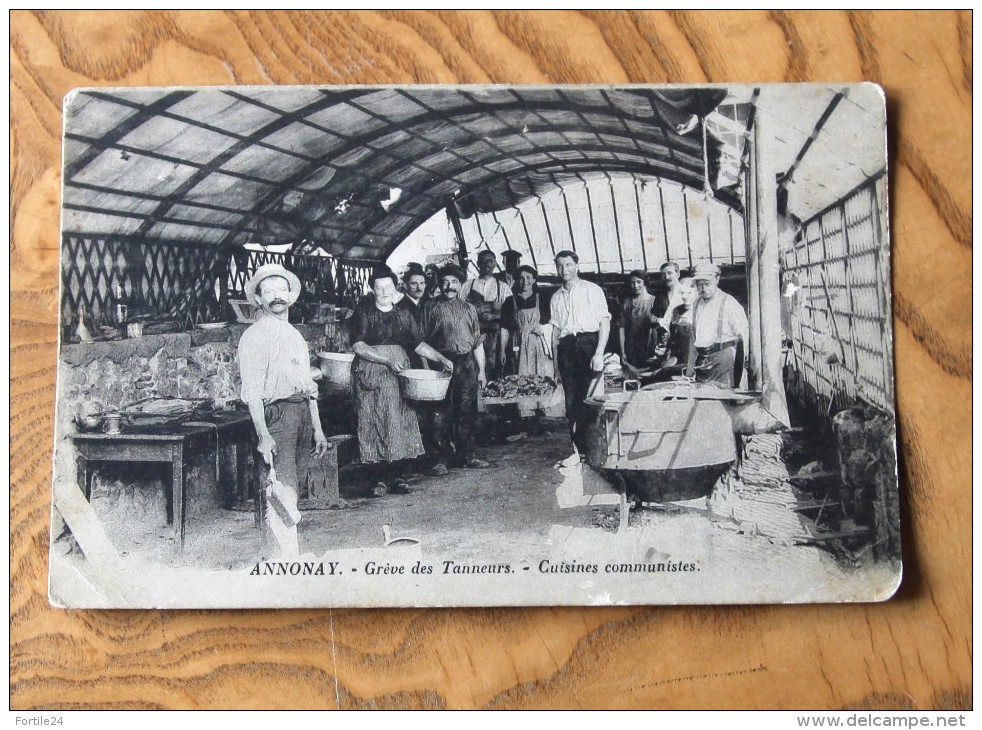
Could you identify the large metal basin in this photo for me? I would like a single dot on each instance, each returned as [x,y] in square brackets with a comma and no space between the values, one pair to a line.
[664,450]
[747,414]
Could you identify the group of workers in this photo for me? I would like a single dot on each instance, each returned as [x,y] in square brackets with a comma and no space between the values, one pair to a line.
[691,328]
[475,330]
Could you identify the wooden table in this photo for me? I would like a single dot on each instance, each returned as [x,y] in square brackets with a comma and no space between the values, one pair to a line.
[174,445]
[914,652]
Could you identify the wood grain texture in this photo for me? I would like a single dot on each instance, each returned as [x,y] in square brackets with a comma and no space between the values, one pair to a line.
[913,652]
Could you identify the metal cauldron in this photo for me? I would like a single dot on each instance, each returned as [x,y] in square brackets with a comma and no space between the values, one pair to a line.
[661,445]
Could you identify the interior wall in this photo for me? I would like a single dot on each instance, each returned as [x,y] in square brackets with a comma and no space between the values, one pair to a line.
[837,316]
[615,224]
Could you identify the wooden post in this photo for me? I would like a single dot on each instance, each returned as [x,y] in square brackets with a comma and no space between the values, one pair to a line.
[458,231]
[750,223]
[769,276]
[664,224]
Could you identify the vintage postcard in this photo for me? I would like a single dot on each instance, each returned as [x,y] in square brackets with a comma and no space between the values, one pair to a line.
[474,346]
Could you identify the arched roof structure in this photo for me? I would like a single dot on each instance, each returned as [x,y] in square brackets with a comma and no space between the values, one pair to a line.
[355,170]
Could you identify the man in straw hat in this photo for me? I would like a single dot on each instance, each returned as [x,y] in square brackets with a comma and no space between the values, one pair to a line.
[721,329]
[277,385]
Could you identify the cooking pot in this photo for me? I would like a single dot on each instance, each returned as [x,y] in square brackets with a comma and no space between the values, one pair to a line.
[661,445]
[336,366]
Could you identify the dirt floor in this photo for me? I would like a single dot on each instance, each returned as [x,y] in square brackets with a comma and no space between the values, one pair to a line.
[514,503]
[536,500]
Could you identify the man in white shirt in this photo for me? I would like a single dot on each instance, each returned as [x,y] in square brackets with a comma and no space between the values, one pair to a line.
[721,330]
[581,322]
[274,365]
[671,297]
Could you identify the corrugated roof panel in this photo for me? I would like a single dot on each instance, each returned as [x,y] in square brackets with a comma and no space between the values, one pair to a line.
[317,179]
[586,97]
[477,150]
[503,165]
[616,140]
[109,201]
[223,189]
[205,215]
[390,103]
[631,103]
[92,117]
[304,139]
[437,98]
[441,161]
[226,112]
[406,178]
[191,234]
[284,98]
[178,139]
[76,221]
[481,125]
[443,189]
[352,158]
[410,149]
[545,139]
[393,139]
[133,171]
[516,119]
[534,94]
[489,95]
[346,119]
[513,143]
[73,150]
[264,163]
[470,176]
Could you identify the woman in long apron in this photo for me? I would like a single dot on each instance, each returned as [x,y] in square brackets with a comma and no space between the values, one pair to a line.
[526,315]
[383,335]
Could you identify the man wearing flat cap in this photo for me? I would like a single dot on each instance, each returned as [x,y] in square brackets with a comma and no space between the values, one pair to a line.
[274,365]
[451,326]
[721,330]
[512,261]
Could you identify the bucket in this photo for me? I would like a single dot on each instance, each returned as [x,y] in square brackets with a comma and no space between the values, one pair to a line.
[336,366]
[424,384]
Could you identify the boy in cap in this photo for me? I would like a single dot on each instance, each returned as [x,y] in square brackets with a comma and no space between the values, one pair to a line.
[721,330]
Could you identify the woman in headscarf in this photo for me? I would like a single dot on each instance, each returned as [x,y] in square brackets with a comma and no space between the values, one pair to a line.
[383,334]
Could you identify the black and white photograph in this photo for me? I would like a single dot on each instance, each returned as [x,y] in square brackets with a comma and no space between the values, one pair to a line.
[474,346]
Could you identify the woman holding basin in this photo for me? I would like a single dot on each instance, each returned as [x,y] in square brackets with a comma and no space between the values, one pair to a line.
[383,335]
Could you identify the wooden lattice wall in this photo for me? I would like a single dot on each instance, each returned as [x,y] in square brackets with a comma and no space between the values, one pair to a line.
[178,281]
[836,283]
[185,283]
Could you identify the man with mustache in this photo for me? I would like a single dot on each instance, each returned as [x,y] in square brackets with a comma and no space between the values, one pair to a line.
[720,330]
[414,286]
[452,328]
[277,386]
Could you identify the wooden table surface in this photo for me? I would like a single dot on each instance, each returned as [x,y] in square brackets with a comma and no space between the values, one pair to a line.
[913,652]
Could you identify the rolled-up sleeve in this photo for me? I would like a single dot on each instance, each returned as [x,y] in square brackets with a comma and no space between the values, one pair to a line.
[598,304]
[253,363]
